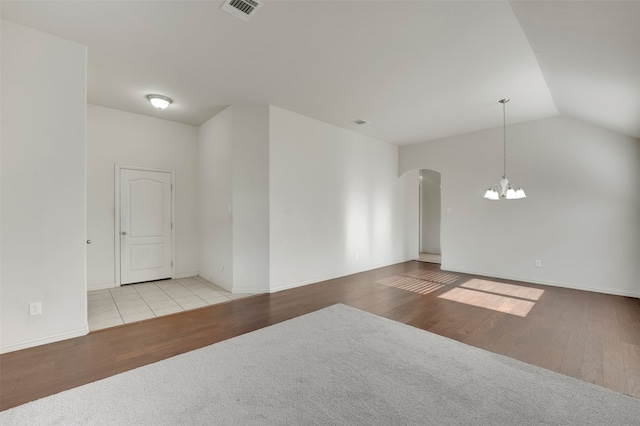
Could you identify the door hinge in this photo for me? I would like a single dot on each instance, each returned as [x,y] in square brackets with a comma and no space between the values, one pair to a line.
[171,225]
[172,263]
[172,187]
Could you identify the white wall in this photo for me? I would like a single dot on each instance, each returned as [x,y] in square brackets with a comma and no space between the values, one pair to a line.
[430,210]
[43,188]
[118,137]
[337,204]
[310,201]
[215,199]
[580,218]
[251,191]
[234,175]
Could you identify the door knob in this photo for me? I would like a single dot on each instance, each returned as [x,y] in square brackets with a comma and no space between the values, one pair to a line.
[123,233]
[88,241]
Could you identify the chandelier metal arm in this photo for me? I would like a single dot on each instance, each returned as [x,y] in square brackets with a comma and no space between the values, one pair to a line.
[504,136]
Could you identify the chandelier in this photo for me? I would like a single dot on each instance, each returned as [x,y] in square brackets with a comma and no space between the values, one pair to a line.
[504,189]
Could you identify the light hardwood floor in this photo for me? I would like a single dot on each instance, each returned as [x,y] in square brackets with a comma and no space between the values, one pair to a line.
[590,336]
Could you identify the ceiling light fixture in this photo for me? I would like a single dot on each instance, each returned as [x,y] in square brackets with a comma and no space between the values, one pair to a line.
[504,189]
[159,101]
[360,122]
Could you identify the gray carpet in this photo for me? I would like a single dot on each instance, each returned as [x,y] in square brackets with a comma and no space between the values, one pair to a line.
[341,366]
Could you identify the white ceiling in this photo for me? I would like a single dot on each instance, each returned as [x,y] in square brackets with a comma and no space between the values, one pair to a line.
[417,70]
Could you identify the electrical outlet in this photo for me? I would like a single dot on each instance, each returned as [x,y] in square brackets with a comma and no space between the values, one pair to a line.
[35,308]
[538,263]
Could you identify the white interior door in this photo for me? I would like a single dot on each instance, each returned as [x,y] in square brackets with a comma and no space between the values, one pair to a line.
[145,225]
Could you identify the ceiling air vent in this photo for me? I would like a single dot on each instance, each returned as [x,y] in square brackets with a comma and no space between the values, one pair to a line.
[242,9]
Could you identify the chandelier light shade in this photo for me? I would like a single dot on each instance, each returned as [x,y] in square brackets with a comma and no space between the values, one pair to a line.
[504,189]
[159,101]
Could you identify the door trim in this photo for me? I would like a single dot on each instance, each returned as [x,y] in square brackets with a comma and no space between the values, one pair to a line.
[116,228]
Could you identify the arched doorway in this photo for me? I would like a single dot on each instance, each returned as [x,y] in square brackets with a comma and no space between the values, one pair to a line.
[429,214]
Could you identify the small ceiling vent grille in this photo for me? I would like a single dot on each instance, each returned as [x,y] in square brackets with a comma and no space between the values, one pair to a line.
[242,9]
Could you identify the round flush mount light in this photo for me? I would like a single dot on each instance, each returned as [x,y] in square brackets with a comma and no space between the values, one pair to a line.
[159,101]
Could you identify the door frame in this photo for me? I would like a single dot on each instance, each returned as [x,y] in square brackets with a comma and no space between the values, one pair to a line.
[419,211]
[116,228]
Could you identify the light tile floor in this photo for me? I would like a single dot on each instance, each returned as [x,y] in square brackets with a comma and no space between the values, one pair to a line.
[137,302]
[430,257]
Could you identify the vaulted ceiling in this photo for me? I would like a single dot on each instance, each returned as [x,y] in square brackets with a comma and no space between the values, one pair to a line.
[416,70]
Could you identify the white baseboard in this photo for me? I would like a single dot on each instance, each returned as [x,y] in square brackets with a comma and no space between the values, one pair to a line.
[102,287]
[305,282]
[220,284]
[248,291]
[186,275]
[604,290]
[311,281]
[333,276]
[44,340]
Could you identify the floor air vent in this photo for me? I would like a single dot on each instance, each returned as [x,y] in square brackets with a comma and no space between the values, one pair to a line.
[242,9]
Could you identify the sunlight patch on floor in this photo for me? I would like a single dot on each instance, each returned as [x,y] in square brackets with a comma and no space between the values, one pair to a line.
[433,276]
[507,298]
[411,284]
[518,291]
